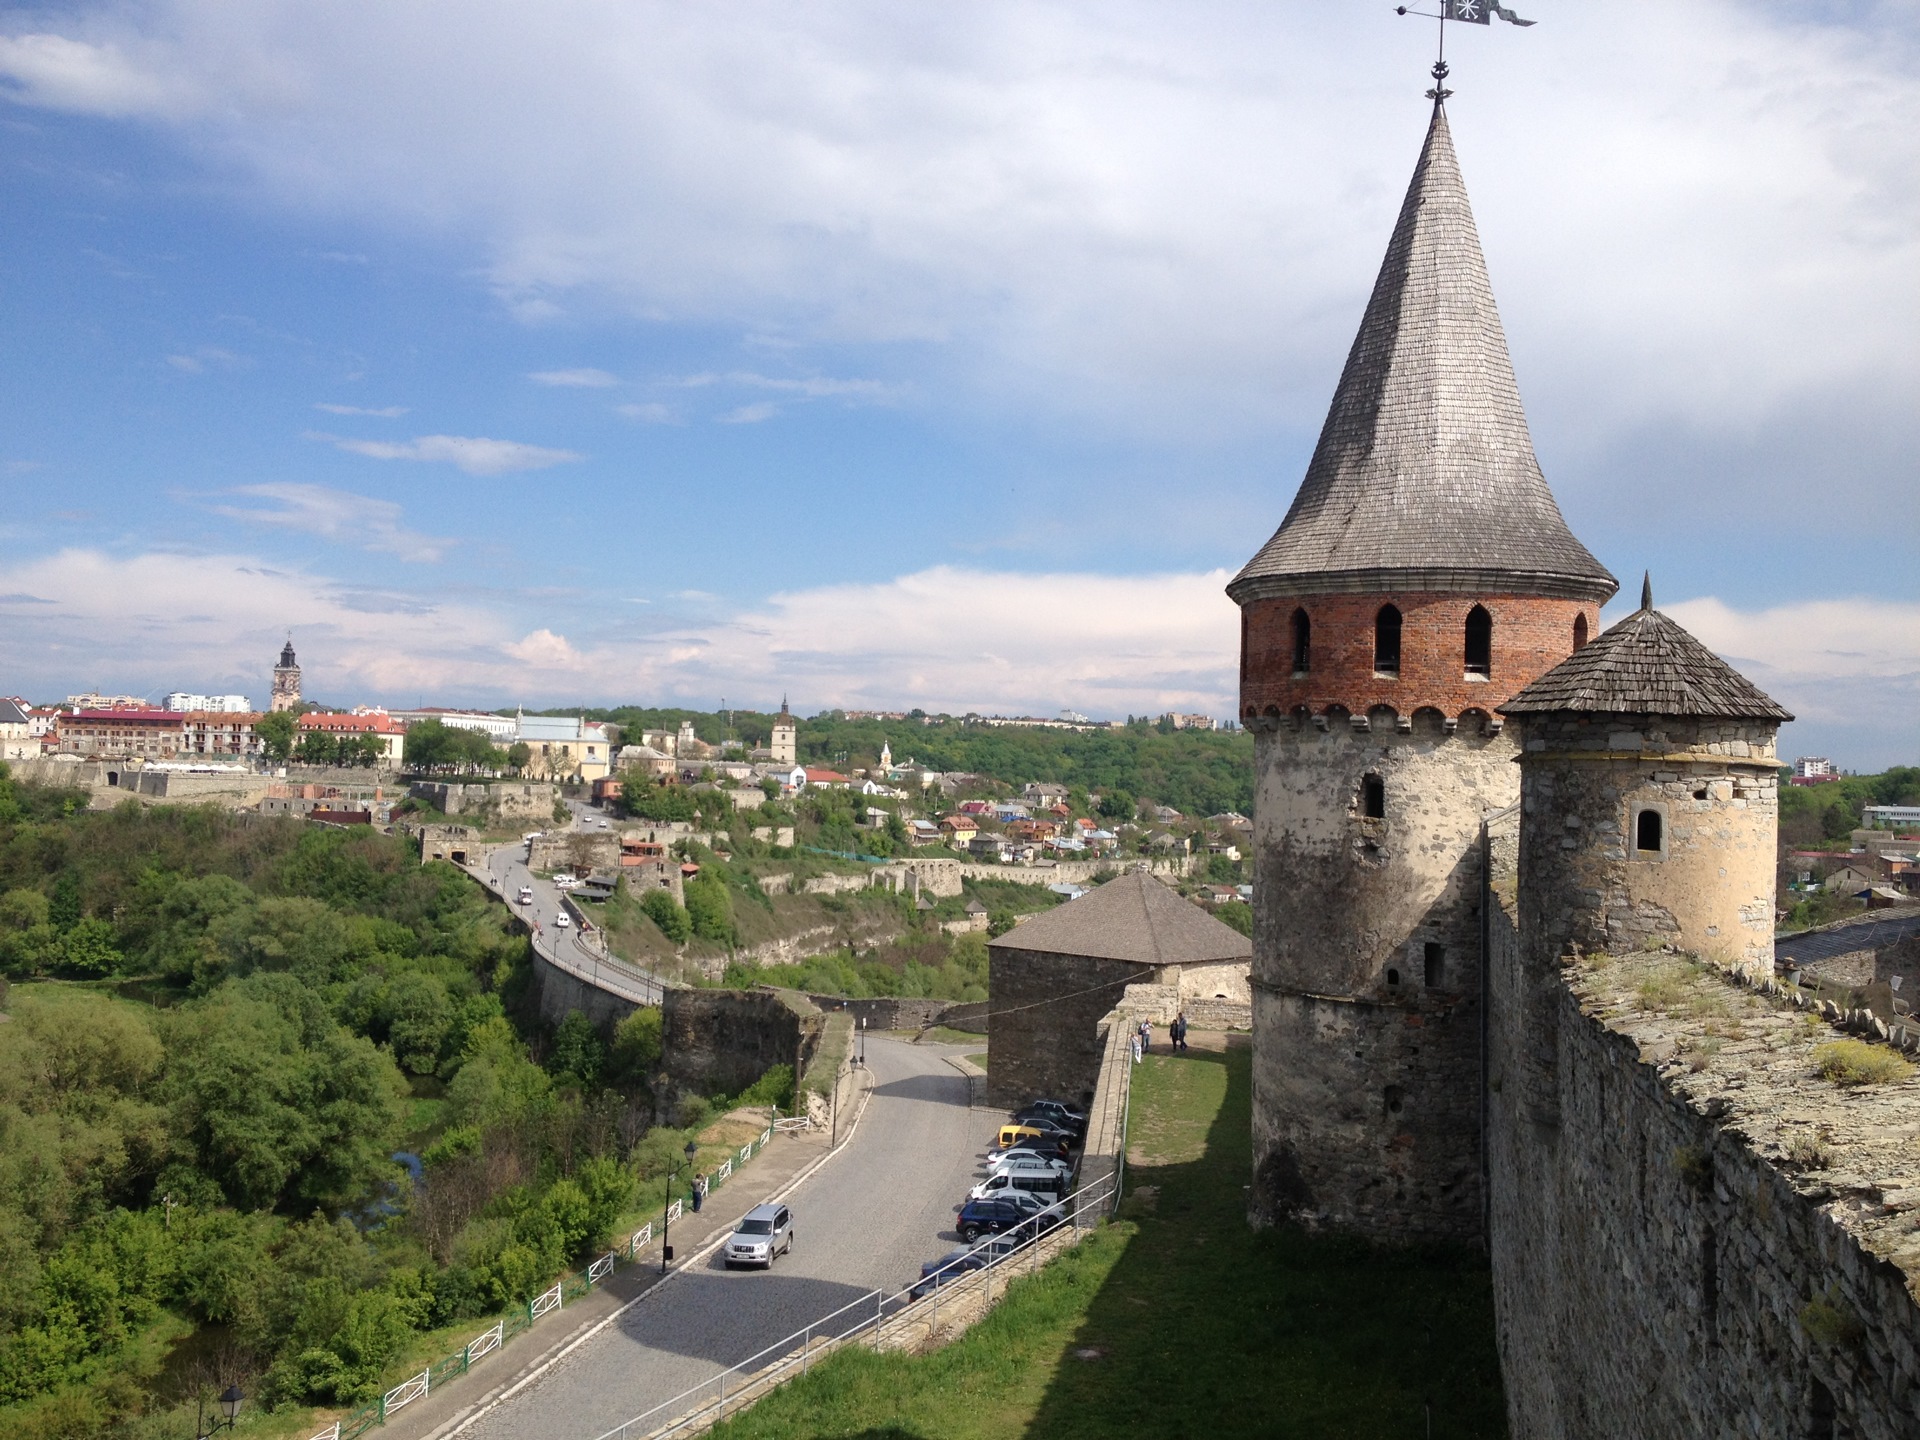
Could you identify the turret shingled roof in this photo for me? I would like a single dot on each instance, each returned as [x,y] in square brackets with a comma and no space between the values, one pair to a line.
[1646,665]
[1132,918]
[1425,476]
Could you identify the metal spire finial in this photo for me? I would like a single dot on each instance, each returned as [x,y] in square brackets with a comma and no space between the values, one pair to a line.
[1646,590]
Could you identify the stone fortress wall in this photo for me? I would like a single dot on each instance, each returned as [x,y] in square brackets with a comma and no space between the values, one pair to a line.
[1691,1234]
[1376,976]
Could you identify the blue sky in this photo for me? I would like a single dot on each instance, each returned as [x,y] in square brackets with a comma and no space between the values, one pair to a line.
[895,357]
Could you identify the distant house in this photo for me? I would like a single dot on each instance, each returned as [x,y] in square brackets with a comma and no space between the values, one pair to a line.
[976,807]
[825,779]
[1042,793]
[1167,815]
[988,847]
[1849,880]
[959,829]
[390,734]
[924,832]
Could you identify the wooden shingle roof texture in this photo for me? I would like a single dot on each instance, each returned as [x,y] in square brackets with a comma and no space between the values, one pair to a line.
[1648,664]
[1424,477]
[1133,918]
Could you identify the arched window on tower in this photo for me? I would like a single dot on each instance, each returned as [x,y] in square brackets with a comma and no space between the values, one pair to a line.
[1386,641]
[1302,643]
[1579,631]
[1649,832]
[1479,641]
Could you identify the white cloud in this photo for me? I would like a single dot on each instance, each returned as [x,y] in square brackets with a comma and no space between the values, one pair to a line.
[1164,216]
[384,412]
[1848,669]
[945,638]
[473,454]
[335,515]
[59,73]
[205,357]
[750,414]
[575,379]
[650,413]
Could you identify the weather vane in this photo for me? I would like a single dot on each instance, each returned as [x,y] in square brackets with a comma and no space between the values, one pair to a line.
[1466,12]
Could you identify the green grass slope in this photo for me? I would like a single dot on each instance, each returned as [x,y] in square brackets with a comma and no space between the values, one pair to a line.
[1178,1321]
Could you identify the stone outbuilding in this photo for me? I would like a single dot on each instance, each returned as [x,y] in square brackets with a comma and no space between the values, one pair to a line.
[1054,975]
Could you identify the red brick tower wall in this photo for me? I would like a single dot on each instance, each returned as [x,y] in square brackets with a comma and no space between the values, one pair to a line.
[1531,635]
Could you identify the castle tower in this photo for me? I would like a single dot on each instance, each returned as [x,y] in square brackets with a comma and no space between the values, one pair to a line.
[1659,758]
[286,680]
[785,741]
[1422,577]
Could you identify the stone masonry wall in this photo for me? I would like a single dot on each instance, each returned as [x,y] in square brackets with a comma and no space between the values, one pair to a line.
[721,1041]
[1366,1064]
[1043,1025]
[1709,889]
[1693,1235]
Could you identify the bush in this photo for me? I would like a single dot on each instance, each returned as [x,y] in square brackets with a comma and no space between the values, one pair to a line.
[1855,1062]
[710,907]
[669,915]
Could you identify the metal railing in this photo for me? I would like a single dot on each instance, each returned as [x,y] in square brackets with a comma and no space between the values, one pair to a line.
[423,1382]
[708,1402]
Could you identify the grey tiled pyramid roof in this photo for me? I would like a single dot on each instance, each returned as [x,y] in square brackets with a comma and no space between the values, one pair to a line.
[1133,918]
[1425,476]
[1646,665]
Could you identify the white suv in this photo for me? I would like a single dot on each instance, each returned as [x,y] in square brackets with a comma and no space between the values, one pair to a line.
[763,1232]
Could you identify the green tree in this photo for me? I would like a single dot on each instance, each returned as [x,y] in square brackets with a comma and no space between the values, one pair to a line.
[660,907]
[636,1047]
[577,1050]
[1238,914]
[88,950]
[710,907]
[1117,805]
[279,1105]
[276,731]
[422,1019]
[518,754]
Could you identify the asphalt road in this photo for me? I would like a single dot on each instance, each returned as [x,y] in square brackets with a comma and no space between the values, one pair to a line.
[865,1219]
[508,865]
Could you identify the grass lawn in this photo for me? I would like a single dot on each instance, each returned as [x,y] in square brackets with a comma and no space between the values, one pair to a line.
[941,1035]
[980,1059]
[1177,1320]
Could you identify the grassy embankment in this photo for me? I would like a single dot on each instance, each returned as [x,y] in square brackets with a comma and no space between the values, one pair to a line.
[1176,1320]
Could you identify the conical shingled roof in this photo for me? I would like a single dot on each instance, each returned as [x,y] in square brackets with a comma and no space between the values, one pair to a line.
[1425,476]
[1648,664]
[1133,918]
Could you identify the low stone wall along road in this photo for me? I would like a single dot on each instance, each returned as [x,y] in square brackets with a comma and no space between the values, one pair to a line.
[866,1219]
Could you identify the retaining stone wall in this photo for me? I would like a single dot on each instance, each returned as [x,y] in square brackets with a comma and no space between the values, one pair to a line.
[721,1041]
[1043,1027]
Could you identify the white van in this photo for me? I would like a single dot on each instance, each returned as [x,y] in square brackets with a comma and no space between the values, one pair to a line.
[1027,1161]
[1043,1184]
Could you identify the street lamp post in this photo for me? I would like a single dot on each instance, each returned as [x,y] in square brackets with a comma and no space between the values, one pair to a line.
[229,1405]
[666,1212]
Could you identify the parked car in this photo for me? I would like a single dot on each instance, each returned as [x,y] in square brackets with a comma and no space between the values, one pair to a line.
[1006,1213]
[1049,1147]
[1075,1125]
[1023,1160]
[1014,1132]
[1054,1109]
[946,1270]
[763,1232]
[1043,1181]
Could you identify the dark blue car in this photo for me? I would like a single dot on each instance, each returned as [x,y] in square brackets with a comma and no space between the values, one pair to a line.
[947,1269]
[1006,1212]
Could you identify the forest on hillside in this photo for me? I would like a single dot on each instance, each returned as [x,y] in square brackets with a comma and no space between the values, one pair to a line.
[219,1033]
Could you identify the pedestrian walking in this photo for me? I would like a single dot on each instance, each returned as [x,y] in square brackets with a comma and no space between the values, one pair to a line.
[1136,1047]
[699,1191]
[1146,1036]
